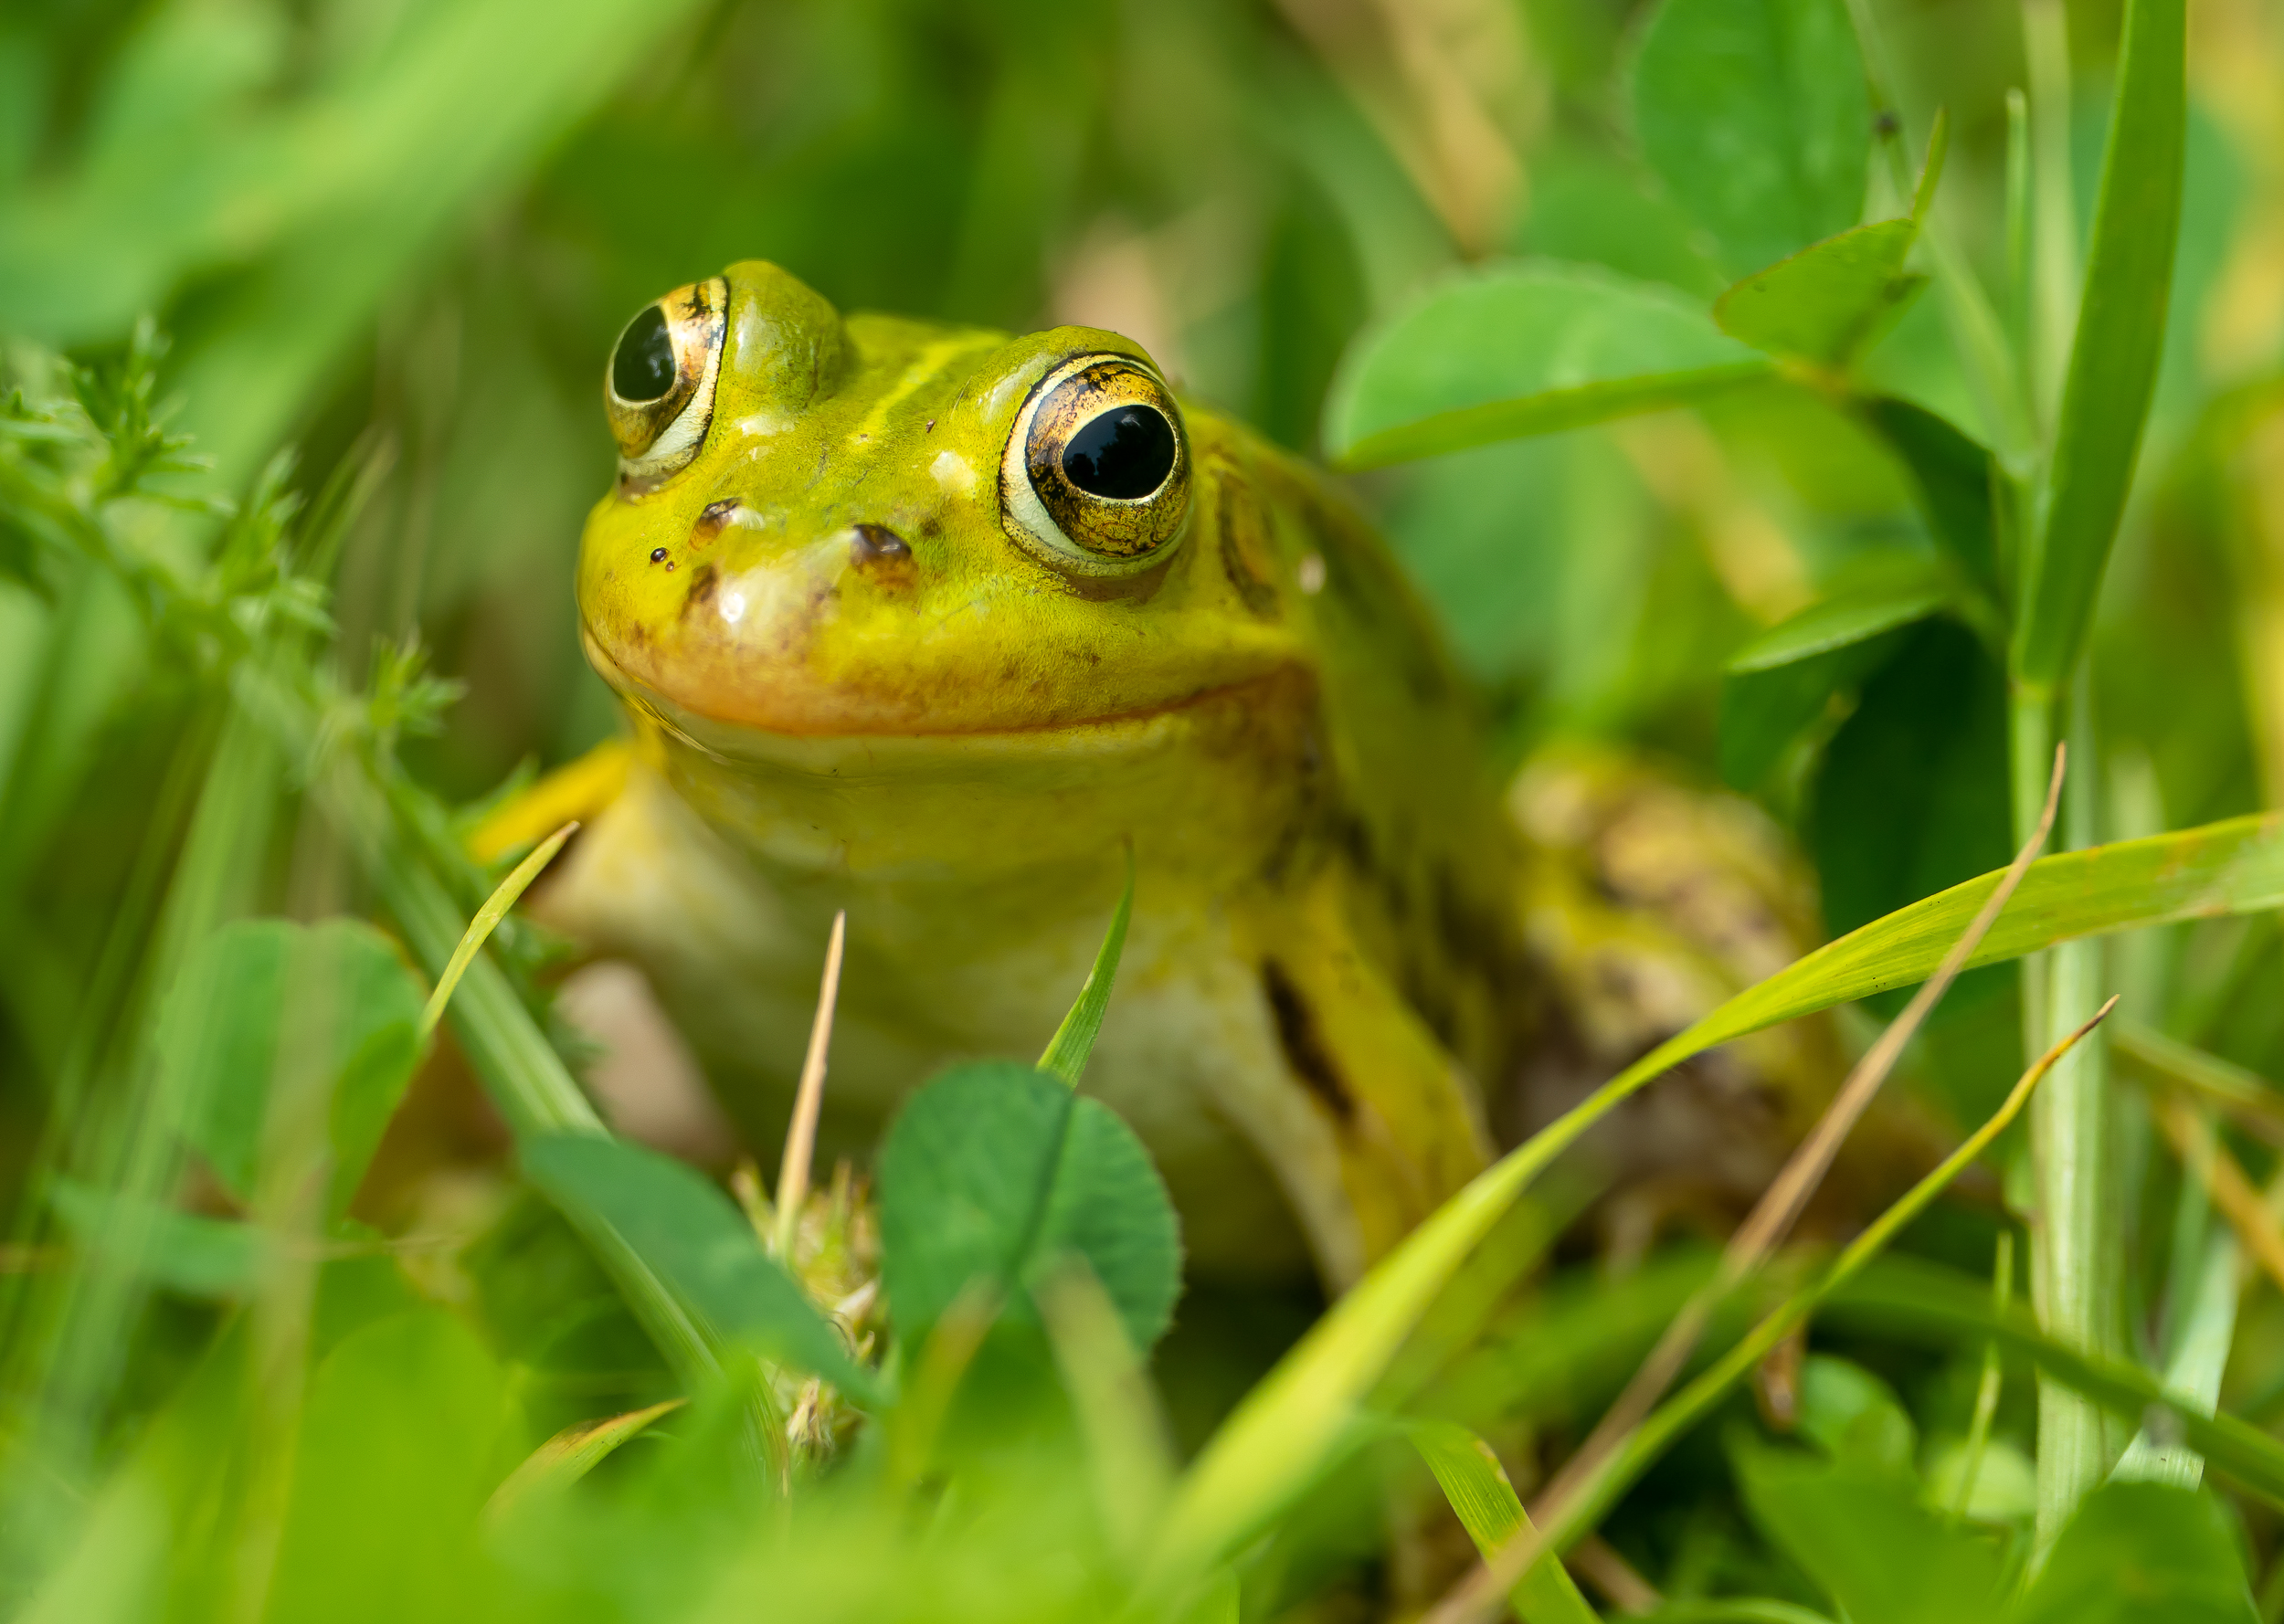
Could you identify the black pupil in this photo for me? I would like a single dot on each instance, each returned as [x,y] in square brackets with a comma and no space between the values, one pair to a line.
[1123,454]
[643,366]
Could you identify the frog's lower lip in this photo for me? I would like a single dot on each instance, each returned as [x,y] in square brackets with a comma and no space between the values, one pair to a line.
[774,729]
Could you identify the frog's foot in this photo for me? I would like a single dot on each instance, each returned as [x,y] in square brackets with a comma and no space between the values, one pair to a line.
[580,790]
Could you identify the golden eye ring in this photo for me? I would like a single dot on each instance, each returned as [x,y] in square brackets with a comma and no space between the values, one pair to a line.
[1095,477]
[658,389]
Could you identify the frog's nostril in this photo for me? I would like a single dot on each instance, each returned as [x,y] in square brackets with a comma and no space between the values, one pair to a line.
[877,544]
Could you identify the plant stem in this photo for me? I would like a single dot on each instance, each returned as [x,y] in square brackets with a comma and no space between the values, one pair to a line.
[2073,1266]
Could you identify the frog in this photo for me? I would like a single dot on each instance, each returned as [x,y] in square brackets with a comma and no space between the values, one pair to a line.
[957,635]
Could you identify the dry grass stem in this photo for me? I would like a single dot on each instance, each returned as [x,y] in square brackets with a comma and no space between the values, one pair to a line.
[2204,1157]
[800,1134]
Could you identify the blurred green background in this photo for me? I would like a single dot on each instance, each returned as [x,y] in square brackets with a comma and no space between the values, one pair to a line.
[414,226]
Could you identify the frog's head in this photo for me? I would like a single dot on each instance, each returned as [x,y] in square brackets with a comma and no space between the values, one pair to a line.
[879,528]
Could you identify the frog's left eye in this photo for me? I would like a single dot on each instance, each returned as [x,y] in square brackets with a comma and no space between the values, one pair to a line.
[658,389]
[1095,477]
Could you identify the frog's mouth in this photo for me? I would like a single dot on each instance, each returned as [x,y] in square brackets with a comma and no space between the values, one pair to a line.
[802,724]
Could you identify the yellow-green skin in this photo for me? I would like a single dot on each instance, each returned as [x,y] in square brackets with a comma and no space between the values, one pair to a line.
[957,746]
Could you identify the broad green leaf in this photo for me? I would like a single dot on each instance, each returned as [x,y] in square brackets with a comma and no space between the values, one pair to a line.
[265,991]
[1853,1416]
[1859,1531]
[184,1251]
[1764,711]
[1782,681]
[1828,301]
[393,1458]
[1074,1039]
[1290,1425]
[1840,621]
[2137,1551]
[2114,357]
[1953,478]
[1910,796]
[1755,113]
[697,1241]
[1486,1503]
[1522,349]
[993,1170]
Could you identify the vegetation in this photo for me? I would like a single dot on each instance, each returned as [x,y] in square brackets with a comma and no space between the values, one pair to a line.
[1767,385]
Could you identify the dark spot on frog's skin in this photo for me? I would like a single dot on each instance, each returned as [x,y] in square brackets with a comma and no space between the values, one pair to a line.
[881,555]
[701,593]
[713,522]
[658,556]
[877,544]
[1303,1044]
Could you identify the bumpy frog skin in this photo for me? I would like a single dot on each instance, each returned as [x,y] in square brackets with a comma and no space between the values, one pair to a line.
[933,625]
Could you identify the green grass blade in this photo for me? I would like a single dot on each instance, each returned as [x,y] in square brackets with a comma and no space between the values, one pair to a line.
[1486,1503]
[2121,332]
[1074,1039]
[487,919]
[571,1454]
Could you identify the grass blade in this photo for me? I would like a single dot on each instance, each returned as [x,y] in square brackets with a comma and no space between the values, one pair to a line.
[2121,332]
[570,1455]
[1074,1039]
[1486,1503]
[488,917]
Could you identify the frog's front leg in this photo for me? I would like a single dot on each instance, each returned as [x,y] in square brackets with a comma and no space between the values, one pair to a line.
[1368,1123]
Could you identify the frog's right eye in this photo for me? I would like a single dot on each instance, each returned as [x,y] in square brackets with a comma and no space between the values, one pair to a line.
[658,389]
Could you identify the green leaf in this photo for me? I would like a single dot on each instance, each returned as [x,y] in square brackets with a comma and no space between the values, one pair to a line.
[1755,113]
[993,1170]
[1911,794]
[1952,479]
[1782,681]
[1486,1503]
[1074,1039]
[185,1251]
[1853,1416]
[1522,349]
[265,990]
[2114,357]
[697,1241]
[2137,1551]
[1859,1531]
[1840,621]
[393,1460]
[1827,302]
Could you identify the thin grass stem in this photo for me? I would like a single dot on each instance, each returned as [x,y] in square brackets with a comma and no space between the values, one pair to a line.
[800,1133]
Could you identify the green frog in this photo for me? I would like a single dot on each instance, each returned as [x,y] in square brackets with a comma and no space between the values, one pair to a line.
[943,628]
